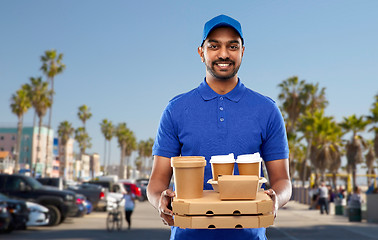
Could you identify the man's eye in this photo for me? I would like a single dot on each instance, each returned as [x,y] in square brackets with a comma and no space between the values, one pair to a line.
[234,47]
[212,46]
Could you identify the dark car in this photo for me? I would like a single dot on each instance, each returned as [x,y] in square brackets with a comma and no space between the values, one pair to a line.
[18,211]
[5,217]
[53,182]
[96,194]
[142,183]
[61,203]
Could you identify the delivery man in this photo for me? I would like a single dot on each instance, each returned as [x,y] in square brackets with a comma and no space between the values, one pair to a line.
[219,117]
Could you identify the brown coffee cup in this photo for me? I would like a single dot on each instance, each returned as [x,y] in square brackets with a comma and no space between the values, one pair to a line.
[249,164]
[188,175]
[222,165]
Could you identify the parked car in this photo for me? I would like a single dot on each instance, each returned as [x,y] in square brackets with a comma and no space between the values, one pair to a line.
[5,217]
[95,194]
[61,203]
[18,211]
[130,186]
[38,214]
[53,182]
[142,183]
[81,208]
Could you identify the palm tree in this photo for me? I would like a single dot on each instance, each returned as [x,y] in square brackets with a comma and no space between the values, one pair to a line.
[82,137]
[51,66]
[107,130]
[40,99]
[292,101]
[148,153]
[355,146]
[373,119]
[20,104]
[131,146]
[65,131]
[370,158]
[327,141]
[84,114]
[125,137]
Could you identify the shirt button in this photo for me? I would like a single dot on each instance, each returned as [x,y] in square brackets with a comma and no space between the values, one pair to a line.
[221,108]
[221,98]
[221,119]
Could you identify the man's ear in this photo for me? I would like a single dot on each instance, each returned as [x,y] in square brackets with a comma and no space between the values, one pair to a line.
[243,51]
[200,52]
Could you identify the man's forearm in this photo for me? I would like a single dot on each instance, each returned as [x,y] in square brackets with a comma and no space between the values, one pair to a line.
[283,190]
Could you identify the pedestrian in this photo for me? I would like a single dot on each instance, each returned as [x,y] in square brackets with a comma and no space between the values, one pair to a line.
[219,117]
[129,206]
[323,198]
[355,199]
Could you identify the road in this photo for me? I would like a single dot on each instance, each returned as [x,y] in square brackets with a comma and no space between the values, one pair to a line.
[294,222]
[146,224]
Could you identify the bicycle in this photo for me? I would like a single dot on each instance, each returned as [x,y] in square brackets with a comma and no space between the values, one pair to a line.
[114,219]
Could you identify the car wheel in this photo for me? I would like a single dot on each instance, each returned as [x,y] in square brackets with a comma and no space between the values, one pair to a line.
[54,215]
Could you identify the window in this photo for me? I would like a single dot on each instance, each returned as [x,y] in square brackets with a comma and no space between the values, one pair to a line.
[26,137]
[13,137]
[1,137]
[1,149]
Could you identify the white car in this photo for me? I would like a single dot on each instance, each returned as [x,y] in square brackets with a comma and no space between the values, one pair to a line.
[38,214]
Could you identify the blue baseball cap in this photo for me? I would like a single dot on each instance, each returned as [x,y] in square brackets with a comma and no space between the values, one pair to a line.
[221,21]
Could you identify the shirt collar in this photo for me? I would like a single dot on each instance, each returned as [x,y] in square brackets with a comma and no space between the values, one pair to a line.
[208,94]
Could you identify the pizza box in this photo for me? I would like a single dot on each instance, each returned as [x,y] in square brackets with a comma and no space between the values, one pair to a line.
[214,222]
[210,204]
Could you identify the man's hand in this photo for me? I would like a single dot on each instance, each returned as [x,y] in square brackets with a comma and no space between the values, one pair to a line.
[165,212]
[272,194]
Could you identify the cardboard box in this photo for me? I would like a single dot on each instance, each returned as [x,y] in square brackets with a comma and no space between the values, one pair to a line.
[238,187]
[210,204]
[206,222]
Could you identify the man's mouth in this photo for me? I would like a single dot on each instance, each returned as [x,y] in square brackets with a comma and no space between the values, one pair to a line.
[223,64]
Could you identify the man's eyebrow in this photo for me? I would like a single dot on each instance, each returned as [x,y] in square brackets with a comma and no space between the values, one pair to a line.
[216,41]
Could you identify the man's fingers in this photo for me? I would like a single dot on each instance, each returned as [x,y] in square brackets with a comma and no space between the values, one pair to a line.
[168,193]
[167,219]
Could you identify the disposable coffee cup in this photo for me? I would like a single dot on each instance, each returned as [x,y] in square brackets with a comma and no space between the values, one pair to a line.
[222,165]
[188,173]
[249,164]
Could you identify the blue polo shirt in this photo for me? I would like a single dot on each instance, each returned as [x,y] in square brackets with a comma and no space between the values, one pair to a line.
[204,123]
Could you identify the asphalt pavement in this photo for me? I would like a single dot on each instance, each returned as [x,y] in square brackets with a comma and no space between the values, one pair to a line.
[294,222]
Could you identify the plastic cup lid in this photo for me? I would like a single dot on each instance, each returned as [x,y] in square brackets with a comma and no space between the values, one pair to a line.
[249,158]
[223,158]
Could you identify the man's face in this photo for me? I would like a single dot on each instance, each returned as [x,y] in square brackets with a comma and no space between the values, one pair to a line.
[222,53]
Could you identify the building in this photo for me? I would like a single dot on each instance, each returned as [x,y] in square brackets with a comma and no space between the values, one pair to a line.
[30,154]
[65,156]
[7,164]
[95,165]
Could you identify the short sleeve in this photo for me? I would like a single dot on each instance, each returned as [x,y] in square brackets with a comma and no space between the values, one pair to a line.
[166,142]
[275,145]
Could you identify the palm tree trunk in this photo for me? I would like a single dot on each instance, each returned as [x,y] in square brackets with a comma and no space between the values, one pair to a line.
[18,146]
[105,156]
[304,164]
[38,160]
[49,126]
[109,146]
[122,164]
[127,167]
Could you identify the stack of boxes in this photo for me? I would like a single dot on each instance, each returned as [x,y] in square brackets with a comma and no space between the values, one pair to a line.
[237,201]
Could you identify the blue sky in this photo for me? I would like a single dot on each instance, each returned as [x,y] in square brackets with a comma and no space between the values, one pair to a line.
[127,59]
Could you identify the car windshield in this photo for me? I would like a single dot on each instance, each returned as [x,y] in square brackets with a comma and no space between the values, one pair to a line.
[34,183]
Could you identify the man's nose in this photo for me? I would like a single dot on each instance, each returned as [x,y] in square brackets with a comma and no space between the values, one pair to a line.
[223,53]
